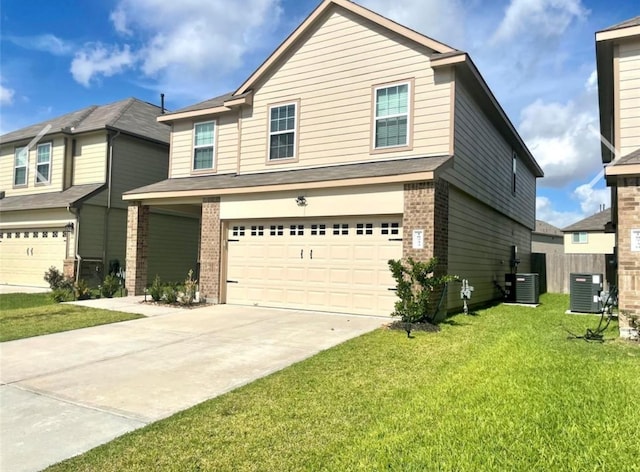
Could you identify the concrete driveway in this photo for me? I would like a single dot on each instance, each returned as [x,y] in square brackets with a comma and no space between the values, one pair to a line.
[65,393]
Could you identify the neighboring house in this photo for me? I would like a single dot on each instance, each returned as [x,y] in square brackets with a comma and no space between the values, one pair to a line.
[590,235]
[357,141]
[61,183]
[546,238]
[618,65]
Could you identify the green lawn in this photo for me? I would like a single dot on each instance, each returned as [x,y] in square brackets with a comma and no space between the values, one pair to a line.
[25,315]
[500,391]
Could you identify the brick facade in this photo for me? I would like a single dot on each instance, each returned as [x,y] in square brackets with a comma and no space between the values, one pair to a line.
[137,248]
[210,250]
[628,261]
[426,207]
[69,268]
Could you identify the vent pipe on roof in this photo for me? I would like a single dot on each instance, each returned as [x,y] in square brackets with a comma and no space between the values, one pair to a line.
[162,103]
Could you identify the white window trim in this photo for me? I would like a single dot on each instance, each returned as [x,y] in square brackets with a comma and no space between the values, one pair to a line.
[407,114]
[577,240]
[294,131]
[202,146]
[38,164]
[514,172]
[25,166]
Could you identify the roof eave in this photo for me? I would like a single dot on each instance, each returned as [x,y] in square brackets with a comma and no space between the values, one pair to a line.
[463,60]
[245,99]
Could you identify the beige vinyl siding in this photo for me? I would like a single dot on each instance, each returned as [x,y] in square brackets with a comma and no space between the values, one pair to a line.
[90,162]
[483,163]
[597,243]
[480,241]
[629,76]
[173,247]
[226,145]
[136,162]
[91,232]
[332,74]
[7,154]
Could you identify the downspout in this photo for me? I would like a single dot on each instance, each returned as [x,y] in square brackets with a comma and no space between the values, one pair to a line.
[105,236]
[76,213]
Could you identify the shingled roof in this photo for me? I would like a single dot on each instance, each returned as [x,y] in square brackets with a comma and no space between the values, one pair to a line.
[297,176]
[595,222]
[130,116]
[67,198]
[624,24]
[542,227]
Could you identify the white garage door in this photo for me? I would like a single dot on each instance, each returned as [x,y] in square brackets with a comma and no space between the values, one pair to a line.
[337,265]
[25,255]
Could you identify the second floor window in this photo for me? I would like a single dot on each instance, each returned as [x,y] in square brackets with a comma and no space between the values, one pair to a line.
[20,166]
[282,131]
[43,164]
[203,145]
[392,116]
[579,238]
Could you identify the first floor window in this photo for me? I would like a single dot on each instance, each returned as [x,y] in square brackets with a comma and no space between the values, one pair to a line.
[580,238]
[392,116]
[43,163]
[282,131]
[20,166]
[203,145]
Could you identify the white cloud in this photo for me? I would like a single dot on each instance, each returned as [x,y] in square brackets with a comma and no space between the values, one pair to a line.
[545,211]
[6,95]
[119,19]
[44,42]
[539,18]
[185,47]
[591,198]
[97,60]
[591,86]
[442,20]
[559,137]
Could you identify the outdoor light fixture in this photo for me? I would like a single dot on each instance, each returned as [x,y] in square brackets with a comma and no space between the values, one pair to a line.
[301,200]
[69,227]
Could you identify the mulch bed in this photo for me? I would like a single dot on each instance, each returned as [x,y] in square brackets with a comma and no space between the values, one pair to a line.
[424,326]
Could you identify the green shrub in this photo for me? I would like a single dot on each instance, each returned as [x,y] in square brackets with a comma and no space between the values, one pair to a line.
[59,295]
[81,290]
[170,293]
[156,290]
[110,286]
[190,287]
[415,285]
[53,277]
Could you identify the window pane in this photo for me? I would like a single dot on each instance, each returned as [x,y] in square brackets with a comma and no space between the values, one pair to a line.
[392,100]
[283,118]
[391,132]
[203,158]
[42,173]
[281,146]
[20,176]
[204,134]
[43,153]
[21,157]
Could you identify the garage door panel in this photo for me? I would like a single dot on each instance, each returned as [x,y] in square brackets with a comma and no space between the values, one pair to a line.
[25,255]
[332,264]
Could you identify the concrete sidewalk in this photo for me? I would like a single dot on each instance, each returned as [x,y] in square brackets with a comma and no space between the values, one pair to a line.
[4,288]
[65,393]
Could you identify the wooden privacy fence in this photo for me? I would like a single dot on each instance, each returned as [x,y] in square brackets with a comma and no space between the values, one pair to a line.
[555,268]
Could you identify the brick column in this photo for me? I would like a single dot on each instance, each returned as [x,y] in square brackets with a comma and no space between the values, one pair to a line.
[137,248]
[210,250]
[69,268]
[426,207]
[628,261]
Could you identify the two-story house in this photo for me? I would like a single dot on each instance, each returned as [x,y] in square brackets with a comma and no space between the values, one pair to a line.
[357,141]
[61,183]
[618,63]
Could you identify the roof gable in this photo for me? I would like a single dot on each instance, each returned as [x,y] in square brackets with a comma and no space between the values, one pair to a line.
[316,16]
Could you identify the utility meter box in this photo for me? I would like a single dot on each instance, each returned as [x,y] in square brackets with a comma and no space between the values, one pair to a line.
[585,293]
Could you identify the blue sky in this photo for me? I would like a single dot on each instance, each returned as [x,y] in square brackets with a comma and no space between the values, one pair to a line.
[536,55]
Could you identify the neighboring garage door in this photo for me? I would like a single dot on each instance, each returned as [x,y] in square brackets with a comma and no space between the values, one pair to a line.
[337,265]
[26,255]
